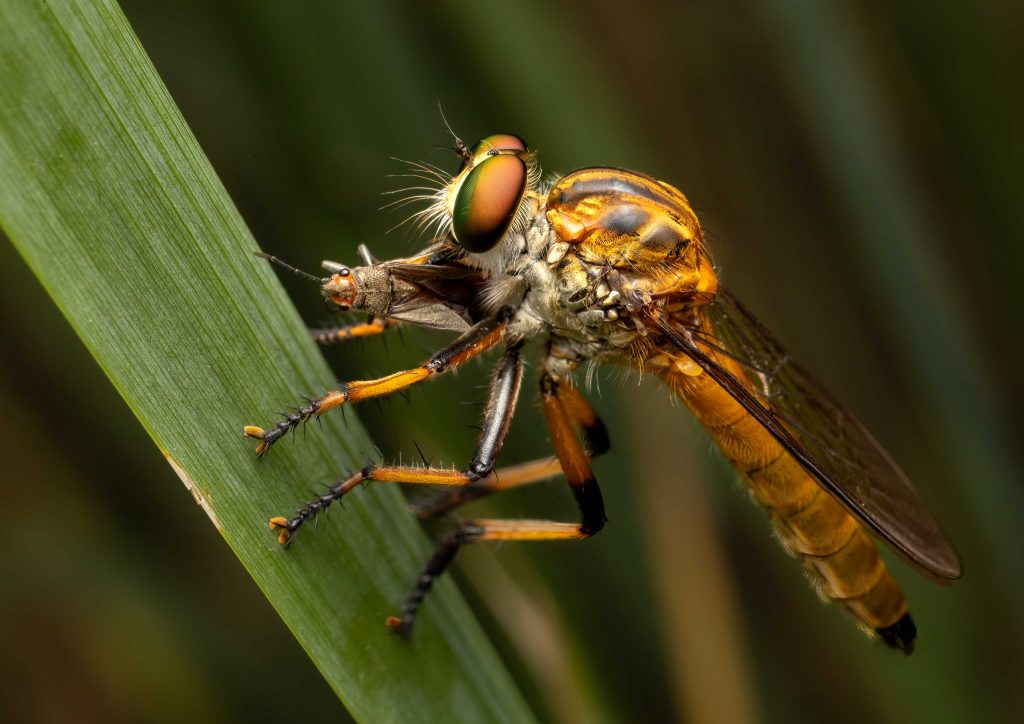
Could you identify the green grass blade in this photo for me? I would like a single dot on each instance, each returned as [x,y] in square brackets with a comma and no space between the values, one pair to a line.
[107,196]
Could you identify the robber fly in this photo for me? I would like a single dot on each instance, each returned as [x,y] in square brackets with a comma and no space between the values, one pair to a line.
[605,265]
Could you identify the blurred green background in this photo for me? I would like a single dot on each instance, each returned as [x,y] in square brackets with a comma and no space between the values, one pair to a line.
[857,168]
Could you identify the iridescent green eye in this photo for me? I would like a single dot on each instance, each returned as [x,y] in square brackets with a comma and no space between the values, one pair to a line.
[487,201]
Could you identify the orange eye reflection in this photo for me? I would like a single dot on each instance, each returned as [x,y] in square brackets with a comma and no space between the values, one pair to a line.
[487,202]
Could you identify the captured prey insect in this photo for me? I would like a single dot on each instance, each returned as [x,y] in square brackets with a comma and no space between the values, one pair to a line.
[605,265]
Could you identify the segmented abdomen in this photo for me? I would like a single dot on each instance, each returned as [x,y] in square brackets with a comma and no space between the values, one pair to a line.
[838,554]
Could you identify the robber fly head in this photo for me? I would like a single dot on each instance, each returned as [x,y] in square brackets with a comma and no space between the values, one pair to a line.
[486,197]
[483,201]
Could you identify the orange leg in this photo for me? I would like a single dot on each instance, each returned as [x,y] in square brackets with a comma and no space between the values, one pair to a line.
[502,479]
[571,454]
[585,422]
[471,532]
[333,335]
[288,527]
[575,463]
[476,341]
[514,476]
[501,402]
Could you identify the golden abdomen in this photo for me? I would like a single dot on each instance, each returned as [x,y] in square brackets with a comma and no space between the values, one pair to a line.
[838,554]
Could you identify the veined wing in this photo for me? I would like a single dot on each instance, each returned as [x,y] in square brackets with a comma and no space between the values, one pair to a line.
[438,296]
[828,441]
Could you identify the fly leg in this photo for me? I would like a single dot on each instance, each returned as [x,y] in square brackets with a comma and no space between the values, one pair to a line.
[573,458]
[513,476]
[501,403]
[332,335]
[480,338]
[585,423]
[574,462]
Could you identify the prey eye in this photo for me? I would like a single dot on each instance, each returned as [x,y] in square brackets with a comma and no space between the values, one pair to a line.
[488,199]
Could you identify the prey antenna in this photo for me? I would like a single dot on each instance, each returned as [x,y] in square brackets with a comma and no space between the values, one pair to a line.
[274,260]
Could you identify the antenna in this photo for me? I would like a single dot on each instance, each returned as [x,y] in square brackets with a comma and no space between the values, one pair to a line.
[274,260]
[460,147]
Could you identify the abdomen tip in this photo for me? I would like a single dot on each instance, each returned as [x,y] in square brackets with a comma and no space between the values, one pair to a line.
[900,635]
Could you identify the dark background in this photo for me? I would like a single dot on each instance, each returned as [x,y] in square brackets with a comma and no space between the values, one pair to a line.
[857,168]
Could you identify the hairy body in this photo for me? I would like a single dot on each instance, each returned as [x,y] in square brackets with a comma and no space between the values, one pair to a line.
[606,266]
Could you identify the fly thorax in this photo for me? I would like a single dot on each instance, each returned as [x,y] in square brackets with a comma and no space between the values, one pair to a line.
[579,304]
[573,284]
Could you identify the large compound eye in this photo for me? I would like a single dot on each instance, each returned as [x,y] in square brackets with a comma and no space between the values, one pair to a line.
[487,202]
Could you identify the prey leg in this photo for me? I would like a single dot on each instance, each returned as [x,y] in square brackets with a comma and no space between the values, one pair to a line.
[501,402]
[575,463]
[332,335]
[477,340]
[585,423]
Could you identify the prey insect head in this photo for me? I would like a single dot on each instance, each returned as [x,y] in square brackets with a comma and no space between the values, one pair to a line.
[486,196]
[340,288]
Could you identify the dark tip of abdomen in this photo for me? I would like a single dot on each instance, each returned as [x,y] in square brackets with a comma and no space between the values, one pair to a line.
[900,635]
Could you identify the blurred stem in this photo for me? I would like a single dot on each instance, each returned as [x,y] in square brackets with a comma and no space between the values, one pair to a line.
[523,606]
[916,297]
[699,610]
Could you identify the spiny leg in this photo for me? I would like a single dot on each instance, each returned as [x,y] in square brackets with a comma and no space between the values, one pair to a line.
[513,476]
[332,335]
[471,532]
[501,403]
[576,465]
[480,338]
[585,422]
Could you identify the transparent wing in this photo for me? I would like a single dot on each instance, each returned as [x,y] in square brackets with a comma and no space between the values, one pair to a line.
[829,442]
